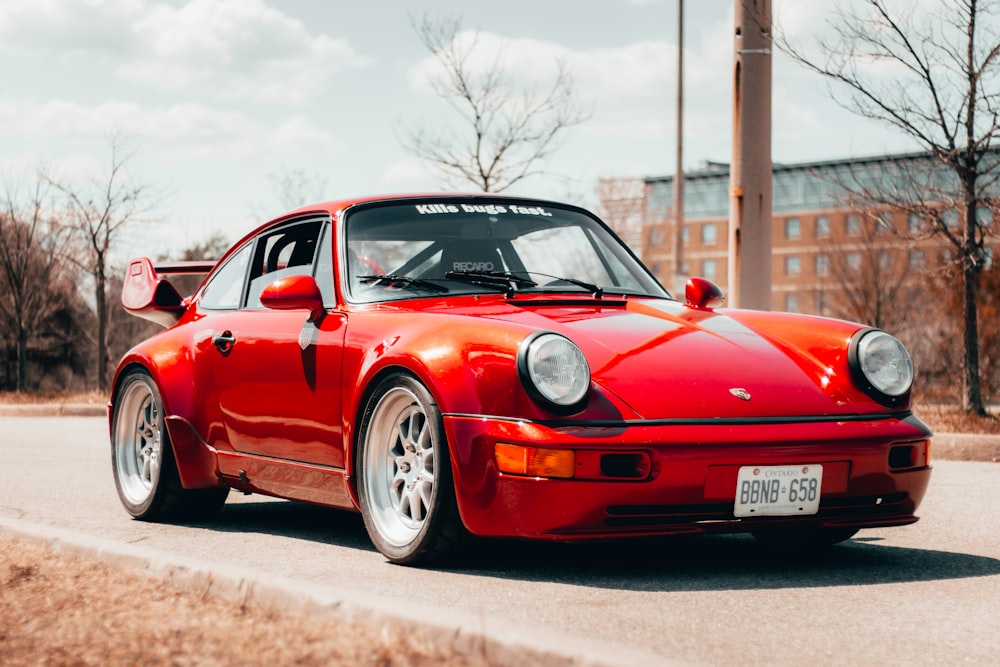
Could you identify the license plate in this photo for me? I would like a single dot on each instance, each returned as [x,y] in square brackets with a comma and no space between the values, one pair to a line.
[778,490]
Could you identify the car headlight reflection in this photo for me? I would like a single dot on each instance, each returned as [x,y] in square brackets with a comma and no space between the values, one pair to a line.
[883,363]
[554,370]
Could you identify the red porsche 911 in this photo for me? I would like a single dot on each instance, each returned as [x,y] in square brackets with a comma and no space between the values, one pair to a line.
[474,365]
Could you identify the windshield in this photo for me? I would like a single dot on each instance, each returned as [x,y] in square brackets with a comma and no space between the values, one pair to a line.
[416,248]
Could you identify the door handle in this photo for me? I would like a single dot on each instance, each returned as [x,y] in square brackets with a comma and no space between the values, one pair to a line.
[224,342]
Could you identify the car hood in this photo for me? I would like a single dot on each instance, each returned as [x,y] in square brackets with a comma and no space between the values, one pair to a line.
[669,361]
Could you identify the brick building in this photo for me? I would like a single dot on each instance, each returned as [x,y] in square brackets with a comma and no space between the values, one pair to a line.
[823,246]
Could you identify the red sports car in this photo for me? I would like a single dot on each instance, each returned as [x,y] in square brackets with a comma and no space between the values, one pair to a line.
[500,367]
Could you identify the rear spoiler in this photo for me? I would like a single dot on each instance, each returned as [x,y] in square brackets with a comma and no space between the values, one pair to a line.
[147,295]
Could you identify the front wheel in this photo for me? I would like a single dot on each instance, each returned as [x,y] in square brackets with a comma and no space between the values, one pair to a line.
[404,477]
[143,461]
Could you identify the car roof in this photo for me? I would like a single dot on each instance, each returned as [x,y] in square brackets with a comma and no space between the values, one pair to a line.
[334,208]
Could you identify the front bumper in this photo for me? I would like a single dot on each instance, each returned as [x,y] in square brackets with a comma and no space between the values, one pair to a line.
[875,474]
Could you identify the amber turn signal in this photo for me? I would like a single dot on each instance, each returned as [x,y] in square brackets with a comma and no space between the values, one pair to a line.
[535,461]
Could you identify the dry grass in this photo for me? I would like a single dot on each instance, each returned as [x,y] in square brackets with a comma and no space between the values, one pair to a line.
[57,609]
[33,398]
[952,419]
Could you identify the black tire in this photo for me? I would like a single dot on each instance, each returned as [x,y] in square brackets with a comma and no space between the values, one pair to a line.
[405,484]
[142,459]
[805,538]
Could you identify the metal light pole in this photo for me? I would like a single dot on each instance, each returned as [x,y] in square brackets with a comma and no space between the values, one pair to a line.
[679,277]
[750,173]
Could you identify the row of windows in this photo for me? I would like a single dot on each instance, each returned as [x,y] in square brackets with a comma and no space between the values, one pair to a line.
[852,261]
[793,227]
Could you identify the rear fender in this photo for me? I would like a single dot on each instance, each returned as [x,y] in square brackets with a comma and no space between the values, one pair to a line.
[197,461]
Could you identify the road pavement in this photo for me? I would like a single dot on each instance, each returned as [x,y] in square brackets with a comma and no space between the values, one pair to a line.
[922,594]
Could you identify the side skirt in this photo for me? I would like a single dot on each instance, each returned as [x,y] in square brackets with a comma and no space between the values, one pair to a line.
[286,479]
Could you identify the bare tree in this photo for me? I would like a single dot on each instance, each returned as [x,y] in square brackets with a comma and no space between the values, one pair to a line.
[620,204]
[876,280]
[503,132]
[32,265]
[99,212]
[933,75]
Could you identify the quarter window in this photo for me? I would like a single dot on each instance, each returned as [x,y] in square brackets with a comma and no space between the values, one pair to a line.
[225,289]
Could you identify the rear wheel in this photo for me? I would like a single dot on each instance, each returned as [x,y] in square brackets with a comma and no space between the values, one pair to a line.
[404,476]
[143,461]
[808,538]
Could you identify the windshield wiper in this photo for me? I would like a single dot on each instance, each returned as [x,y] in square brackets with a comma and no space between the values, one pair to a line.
[597,290]
[392,280]
[506,281]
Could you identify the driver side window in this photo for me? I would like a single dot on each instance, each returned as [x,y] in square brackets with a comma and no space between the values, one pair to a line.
[287,251]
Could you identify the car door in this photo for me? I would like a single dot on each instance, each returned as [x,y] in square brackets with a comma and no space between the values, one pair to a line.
[276,374]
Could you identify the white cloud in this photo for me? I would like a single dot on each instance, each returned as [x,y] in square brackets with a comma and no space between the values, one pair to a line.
[408,176]
[68,25]
[225,49]
[629,89]
[182,132]
[237,49]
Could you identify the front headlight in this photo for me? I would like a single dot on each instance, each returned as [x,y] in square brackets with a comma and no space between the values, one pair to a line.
[882,364]
[553,370]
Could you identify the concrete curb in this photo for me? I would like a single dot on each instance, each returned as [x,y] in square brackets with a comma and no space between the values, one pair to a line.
[499,642]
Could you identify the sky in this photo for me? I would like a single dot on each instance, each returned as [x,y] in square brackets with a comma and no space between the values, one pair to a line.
[217,99]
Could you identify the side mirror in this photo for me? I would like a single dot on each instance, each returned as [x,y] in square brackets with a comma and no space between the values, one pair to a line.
[703,294]
[294,293]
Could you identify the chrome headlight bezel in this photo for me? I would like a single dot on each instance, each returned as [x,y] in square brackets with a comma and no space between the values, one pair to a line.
[554,372]
[881,366]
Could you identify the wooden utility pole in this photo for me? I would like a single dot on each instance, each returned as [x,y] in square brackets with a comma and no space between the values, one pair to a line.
[750,173]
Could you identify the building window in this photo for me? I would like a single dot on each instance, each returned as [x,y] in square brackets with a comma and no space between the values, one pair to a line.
[708,233]
[792,302]
[916,260]
[822,303]
[708,269]
[793,266]
[793,229]
[822,227]
[822,265]
[685,235]
[984,217]
[883,224]
[915,223]
[884,260]
[656,236]
[854,261]
[853,225]
[950,218]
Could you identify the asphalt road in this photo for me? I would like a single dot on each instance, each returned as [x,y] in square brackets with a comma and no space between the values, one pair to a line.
[918,595]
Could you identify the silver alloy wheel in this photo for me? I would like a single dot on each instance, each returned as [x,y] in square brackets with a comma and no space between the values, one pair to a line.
[401,466]
[138,442]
